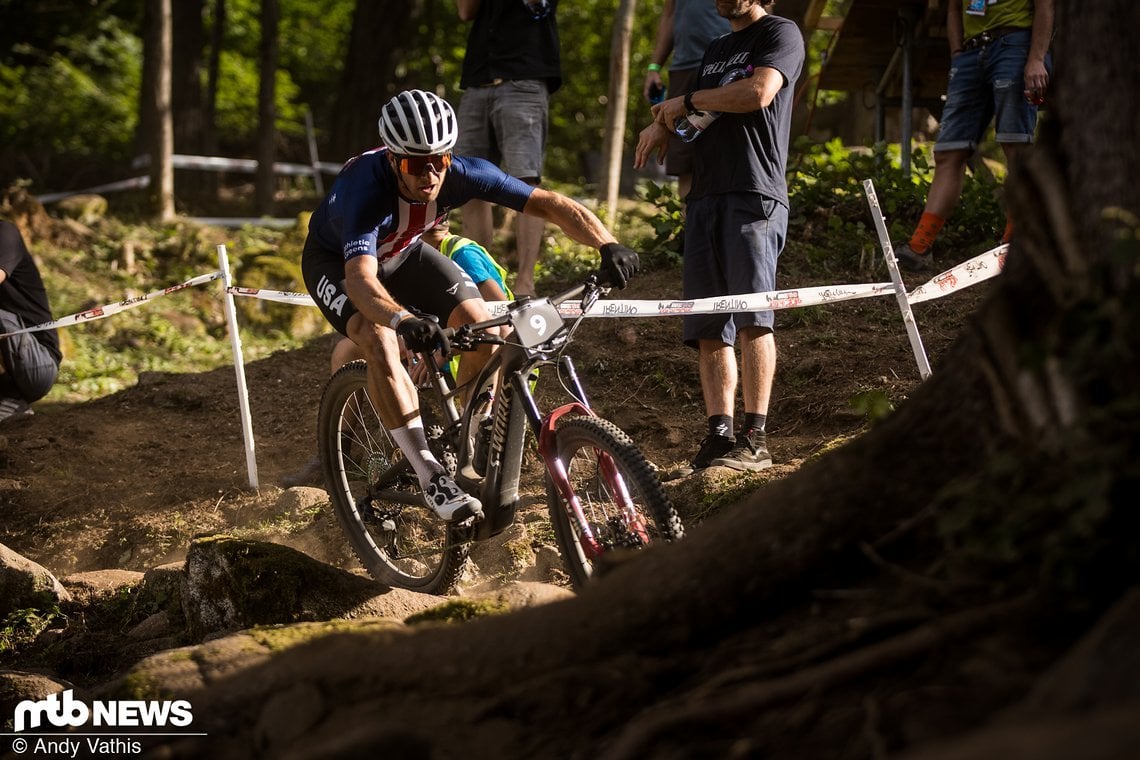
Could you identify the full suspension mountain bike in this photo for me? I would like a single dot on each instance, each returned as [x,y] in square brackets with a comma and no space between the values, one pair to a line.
[601,493]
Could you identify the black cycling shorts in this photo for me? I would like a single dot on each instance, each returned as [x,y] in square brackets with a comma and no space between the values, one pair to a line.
[426,281]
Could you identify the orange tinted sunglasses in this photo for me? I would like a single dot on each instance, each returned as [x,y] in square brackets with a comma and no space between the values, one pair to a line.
[417,166]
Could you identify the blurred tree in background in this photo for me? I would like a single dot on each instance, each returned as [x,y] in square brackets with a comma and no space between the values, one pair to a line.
[71,74]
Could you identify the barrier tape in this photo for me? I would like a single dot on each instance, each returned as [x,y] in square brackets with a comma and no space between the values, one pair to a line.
[768,300]
[968,273]
[99,312]
[981,267]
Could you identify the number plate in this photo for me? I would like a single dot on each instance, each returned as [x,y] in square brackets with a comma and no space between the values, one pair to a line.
[536,323]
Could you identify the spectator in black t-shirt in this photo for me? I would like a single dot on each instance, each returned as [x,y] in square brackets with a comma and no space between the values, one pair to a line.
[736,217]
[29,362]
[511,67]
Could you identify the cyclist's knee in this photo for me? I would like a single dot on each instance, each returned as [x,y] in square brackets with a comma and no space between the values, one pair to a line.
[468,311]
[375,342]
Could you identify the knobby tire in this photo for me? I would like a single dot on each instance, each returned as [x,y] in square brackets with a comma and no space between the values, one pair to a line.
[581,441]
[400,540]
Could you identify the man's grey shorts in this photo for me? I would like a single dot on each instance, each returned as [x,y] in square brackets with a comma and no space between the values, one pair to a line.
[506,124]
[732,244]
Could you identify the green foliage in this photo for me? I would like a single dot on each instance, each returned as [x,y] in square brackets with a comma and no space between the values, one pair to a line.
[669,222]
[180,332]
[831,229]
[832,220]
[237,100]
[22,626]
[77,99]
[874,405]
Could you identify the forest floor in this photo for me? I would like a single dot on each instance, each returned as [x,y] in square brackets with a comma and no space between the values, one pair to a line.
[126,480]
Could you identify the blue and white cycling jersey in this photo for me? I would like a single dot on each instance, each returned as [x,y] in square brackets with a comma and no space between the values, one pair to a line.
[364,214]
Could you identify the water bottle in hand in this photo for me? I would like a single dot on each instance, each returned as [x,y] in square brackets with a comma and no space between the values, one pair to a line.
[690,126]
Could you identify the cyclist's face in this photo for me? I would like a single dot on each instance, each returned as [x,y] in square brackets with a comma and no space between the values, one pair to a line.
[421,177]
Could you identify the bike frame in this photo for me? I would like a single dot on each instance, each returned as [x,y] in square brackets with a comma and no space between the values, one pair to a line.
[514,408]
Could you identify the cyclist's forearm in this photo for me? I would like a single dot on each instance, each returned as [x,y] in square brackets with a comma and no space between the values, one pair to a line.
[367,293]
[575,220]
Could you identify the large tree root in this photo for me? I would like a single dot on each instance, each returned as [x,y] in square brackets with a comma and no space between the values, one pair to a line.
[640,735]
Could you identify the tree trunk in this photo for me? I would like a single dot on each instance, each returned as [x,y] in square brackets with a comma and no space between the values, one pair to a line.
[379,32]
[1005,483]
[210,99]
[186,76]
[267,108]
[612,148]
[156,123]
[187,91]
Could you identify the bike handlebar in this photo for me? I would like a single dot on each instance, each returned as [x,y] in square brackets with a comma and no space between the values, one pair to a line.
[465,337]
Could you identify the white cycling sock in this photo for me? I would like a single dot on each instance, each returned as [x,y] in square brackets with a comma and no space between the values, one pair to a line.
[413,442]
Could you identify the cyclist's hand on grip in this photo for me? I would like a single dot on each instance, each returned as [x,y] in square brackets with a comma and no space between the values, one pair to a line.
[423,335]
[619,264]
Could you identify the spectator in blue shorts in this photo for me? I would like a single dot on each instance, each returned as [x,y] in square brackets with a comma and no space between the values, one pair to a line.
[511,68]
[736,217]
[999,71]
[29,362]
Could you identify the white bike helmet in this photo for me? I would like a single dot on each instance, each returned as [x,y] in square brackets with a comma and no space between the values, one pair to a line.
[418,123]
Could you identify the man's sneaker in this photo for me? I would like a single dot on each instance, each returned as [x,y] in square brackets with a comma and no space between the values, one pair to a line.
[913,261]
[14,409]
[712,446]
[749,454]
[449,501]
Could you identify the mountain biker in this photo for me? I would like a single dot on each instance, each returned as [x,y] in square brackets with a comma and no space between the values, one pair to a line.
[366,267]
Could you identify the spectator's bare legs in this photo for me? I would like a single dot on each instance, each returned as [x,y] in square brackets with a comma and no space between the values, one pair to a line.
[471,310]
[1010,150]
[718,376]
[528,234]
[479,224]
[719,372]
[758,365]
[946,186]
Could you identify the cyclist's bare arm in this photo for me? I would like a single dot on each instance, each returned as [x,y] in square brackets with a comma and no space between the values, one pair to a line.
[578,222]
[368,295]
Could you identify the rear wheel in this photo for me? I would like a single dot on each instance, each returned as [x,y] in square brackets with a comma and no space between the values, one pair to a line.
[621,497]
[376,496]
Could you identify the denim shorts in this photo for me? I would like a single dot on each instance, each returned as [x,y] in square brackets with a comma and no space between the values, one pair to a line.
[732,244]
[506,124]
[988,83]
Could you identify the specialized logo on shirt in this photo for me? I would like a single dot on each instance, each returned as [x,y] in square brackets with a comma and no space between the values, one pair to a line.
[739,60]
[453,289]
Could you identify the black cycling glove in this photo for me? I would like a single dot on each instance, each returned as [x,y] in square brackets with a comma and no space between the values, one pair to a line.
[423,335]
[619,263]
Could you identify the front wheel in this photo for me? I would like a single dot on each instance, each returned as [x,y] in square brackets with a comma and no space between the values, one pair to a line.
[376,496]
[621,498]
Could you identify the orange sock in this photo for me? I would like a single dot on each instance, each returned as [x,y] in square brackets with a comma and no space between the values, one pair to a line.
[928,228]
[1005,236]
